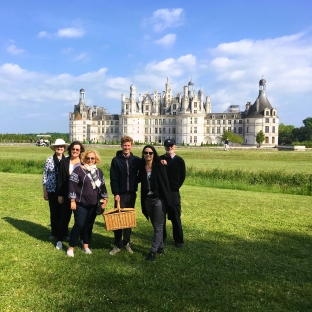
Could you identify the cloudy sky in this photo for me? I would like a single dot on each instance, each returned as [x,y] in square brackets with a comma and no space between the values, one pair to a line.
[49,50]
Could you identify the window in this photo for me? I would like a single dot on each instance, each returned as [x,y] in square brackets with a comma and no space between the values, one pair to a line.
[159,130]
[156,130]
[191,121]
[195,130]
[111,129]
[246,129]
[218,130]
[266,129]
[190,139]
[125,121]
[267,113]
[229,122]
[116,130]
[266,140]
[174,106]
[223,121]
[173,130]
[234,121]
[145,131]
[213,130]
[195,139]
[195,111]
[218,122]
[230,129]
[125,129]
[164,130]
[195,120]
[267,120]
[156,122]
[240,122]
[240,130]
[146,107]
[195,104]
[273,130]
[273,120]
[127,106]
[273,140]
[234,130]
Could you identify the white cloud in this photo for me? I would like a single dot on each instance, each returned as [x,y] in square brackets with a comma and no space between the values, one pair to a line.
[80,57]
[165,18]
[43,34]
[70,32]
[13,49]
[172,67]
[167,40]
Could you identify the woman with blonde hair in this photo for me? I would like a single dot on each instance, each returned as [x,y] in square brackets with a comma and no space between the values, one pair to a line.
[86,187]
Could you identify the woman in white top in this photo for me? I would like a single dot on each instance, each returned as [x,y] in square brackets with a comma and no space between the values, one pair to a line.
[66,168]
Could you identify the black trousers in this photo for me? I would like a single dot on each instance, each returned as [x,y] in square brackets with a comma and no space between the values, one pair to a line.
[65,219]
[122,237]
[175,218]
[55,212]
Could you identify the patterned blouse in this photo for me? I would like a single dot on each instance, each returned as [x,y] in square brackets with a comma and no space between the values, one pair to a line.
[49,177]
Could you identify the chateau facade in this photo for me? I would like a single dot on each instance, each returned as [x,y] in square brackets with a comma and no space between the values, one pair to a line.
[185,117]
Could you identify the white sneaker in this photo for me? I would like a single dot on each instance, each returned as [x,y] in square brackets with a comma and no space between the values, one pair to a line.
[70,252]
[128,248]
[114,251]
[59,245]
[87,251]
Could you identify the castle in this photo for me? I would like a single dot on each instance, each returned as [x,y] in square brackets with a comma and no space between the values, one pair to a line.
[185,117]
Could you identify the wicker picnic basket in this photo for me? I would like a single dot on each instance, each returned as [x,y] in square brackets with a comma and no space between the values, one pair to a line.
[119,218]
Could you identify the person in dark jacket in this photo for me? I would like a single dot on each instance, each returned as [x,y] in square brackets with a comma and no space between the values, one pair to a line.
[49,183]
[176,172]
[86,186]
[67,165]
[123,181]
[155,196]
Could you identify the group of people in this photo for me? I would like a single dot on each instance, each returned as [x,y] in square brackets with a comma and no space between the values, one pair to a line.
[75,184]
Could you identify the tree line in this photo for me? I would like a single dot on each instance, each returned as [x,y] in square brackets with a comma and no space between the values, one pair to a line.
[289,135]
[30,137]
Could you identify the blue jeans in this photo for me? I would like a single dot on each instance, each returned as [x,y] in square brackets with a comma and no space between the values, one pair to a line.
[155,210]
[84,220]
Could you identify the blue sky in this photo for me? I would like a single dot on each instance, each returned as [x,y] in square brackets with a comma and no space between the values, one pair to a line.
[49,50]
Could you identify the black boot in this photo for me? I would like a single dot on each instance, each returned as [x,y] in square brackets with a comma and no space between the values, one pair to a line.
[161,251]
[151,256]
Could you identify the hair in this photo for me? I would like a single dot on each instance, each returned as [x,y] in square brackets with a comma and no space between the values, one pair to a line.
[72,145]
[153,149]
[125,139]
[86,153]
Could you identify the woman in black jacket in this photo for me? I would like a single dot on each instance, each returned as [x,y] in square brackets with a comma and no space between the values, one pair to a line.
[155,196]
[67,166]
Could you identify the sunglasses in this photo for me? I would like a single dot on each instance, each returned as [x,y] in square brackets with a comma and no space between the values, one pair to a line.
[90,158]
[148,153]
[76,149]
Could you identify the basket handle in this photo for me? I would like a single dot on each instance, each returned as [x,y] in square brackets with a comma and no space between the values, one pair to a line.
[118,205]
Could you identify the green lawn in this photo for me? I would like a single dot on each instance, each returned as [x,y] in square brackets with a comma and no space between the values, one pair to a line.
[200,158]
[244,251]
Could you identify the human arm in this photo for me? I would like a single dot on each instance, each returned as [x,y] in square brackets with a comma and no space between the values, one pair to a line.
[182,171]
[114,176]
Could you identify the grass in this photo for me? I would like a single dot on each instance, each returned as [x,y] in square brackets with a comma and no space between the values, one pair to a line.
[244,251]
[253,170]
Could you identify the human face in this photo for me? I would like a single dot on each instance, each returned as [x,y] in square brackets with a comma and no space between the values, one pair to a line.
[148,154]
[90,159]
[170,149]
[75,151]
[126,148]
[59,150]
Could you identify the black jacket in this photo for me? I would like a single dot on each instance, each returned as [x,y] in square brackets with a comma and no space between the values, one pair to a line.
[176,172]
[159,185]
[63,177]
[123,173]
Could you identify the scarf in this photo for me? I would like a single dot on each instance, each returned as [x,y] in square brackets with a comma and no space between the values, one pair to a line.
[95,181]
[57,162]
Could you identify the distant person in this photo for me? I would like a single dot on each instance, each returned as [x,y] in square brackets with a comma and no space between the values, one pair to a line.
[67,166]
[226,144]
[176,172]
[123,181]
[155,196]
[49,183]
[86,182]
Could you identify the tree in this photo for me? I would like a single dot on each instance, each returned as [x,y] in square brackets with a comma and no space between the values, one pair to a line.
[285,134]
[234,138]
[260,137]
[307,122]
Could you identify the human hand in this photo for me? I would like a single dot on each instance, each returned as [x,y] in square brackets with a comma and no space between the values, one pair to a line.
[60,199]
